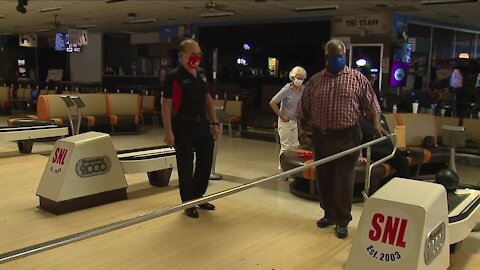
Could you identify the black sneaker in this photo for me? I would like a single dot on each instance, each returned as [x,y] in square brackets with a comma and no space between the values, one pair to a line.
[192,212]
[324,222]
[207,206]
[341,232]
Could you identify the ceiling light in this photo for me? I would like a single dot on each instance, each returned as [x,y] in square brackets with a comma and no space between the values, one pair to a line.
[361,62]
[315,8]
[49,9]
[464,55]
[440,2]
[143,21]
[217,14]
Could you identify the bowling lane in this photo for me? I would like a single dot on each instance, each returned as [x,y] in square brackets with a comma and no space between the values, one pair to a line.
[249,230]
[22,223]
[235,236]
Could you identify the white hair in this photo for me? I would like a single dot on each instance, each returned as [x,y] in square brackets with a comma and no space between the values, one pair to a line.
[298,70]
[335,42]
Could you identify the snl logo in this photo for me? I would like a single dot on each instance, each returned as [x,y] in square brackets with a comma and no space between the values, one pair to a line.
[389,230]
[59,156]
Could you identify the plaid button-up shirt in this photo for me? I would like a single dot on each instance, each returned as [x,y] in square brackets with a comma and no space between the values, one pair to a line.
[337,101]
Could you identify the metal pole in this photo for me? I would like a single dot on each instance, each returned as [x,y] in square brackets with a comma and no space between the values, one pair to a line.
[213,174]
[79,120]
[69,103]
[367,171]
[366,191]
[30,250]
[452,159]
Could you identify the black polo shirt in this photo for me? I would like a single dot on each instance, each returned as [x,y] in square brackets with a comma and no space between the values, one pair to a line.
[187,92]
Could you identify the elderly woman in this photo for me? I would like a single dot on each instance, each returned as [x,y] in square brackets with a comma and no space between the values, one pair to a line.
[289,96]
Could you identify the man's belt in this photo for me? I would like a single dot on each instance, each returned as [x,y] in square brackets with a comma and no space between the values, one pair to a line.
[327,131]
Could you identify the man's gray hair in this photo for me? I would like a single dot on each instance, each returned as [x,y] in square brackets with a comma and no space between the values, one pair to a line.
[335,42]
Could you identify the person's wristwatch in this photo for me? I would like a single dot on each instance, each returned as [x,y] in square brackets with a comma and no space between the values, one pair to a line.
[215,124]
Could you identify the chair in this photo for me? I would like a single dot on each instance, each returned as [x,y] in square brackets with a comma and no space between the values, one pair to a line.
[222,118]
[149,108]
[233,109]
[5,99]
[448,103]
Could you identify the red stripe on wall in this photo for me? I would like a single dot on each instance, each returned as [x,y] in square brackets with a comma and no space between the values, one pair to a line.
[176,97]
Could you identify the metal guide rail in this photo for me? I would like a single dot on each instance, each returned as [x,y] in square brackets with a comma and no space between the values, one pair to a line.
[62,241]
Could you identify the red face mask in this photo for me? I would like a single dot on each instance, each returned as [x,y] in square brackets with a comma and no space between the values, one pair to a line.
[194,60]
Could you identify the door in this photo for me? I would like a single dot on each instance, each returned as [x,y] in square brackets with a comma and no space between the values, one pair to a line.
[369,56]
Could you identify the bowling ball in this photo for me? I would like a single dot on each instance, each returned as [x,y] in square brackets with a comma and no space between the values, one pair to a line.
[448,178]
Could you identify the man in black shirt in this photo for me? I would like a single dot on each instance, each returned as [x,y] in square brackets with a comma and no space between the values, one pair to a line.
[185,106]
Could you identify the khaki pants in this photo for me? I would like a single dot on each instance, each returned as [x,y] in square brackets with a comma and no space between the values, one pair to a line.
[288,134]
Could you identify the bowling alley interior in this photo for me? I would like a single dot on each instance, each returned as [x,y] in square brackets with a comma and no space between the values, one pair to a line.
[88,179]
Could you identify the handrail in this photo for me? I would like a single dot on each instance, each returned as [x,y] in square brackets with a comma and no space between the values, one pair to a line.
[62,241]
[368,172]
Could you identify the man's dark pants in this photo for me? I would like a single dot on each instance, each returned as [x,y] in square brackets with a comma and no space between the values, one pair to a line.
[193,137]
[336,179]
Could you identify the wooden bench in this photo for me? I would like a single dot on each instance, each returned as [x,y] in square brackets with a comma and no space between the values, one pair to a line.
[417,128]
[149,108]
[102,111]
[472,137]
[124,111]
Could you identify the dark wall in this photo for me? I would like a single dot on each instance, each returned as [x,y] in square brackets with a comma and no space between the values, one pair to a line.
[296,43]
[48,58]
[118,52]
[37,60]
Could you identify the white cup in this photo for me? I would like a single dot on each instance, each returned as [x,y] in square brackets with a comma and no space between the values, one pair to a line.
[442,112]
[415,107]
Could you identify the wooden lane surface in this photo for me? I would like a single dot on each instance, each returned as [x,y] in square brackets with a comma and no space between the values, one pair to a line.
[235,236]
[22,223]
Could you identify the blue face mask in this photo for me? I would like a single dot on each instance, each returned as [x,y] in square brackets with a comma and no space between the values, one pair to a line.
[336,63]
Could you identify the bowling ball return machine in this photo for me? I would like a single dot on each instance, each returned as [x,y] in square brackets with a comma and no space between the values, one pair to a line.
[25,131]
[84,170]
[409,224]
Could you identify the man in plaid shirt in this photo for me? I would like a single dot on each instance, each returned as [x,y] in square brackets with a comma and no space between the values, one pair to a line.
[333,101]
